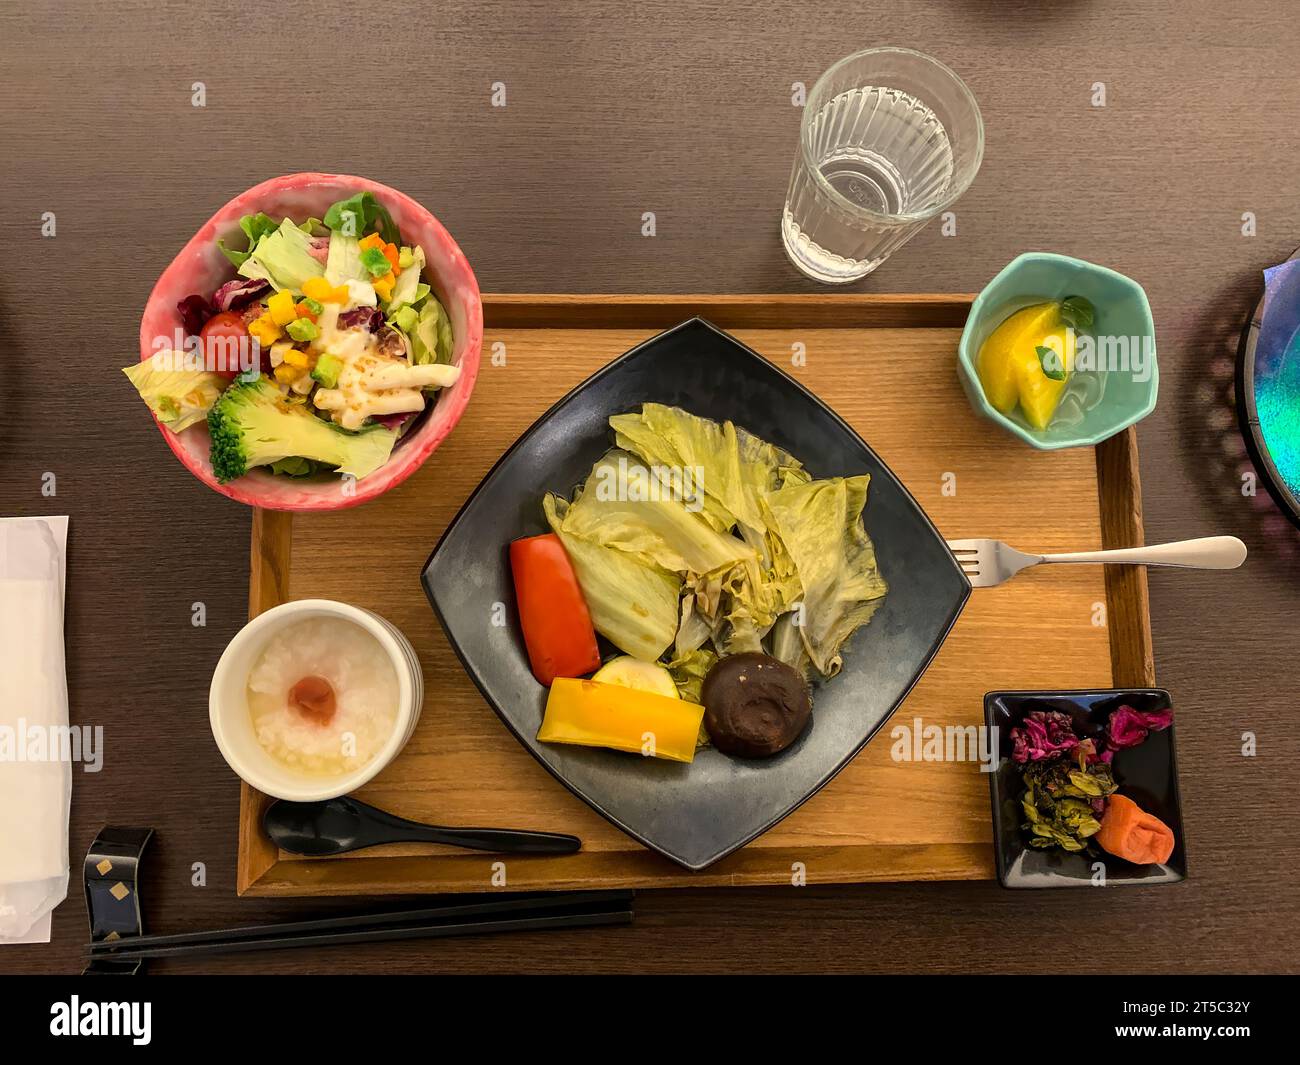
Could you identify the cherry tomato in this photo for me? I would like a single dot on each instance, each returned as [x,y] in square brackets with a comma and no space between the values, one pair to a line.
[226,343]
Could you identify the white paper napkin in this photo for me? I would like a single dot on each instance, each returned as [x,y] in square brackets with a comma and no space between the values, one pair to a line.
[35,790]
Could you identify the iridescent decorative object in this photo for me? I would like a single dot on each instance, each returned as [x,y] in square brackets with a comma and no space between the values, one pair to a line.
[1268,386]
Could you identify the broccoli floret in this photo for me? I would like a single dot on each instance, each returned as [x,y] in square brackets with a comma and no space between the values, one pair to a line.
[253,425]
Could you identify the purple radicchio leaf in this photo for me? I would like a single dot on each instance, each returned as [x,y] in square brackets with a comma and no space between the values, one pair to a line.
[194,312]
[235,294]
[371,318]
[394,421]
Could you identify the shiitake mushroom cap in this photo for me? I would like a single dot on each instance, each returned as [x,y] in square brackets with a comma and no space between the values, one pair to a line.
[755,705]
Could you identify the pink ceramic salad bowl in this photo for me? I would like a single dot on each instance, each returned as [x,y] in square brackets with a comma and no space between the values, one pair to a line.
[201,268]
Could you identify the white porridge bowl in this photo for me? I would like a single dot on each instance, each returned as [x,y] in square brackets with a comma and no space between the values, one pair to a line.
[231,717]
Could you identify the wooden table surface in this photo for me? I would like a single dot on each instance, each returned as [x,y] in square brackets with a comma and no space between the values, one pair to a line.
[612,111]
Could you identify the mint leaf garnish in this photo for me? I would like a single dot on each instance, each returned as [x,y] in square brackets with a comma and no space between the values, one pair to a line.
[1050,361]
[1078,313]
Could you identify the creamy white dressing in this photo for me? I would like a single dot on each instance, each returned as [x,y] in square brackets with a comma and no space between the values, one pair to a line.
[360,394]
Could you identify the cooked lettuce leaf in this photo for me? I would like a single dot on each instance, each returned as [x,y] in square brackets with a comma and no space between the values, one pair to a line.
[739,468]
[622,505]
[761,556]
[688,673]
[820,524]
[787,643]
[633,603]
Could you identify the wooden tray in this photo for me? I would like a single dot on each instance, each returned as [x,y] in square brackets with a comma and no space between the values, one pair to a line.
[886,364]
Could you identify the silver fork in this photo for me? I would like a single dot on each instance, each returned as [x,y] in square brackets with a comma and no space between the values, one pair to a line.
[990,562]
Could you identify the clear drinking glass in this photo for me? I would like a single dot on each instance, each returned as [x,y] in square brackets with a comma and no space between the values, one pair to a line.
[889,139]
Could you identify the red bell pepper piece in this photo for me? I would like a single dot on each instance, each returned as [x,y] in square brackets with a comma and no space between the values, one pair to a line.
[556,622]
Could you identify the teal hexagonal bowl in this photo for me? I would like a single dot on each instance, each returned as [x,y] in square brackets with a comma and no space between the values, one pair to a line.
[1124,351]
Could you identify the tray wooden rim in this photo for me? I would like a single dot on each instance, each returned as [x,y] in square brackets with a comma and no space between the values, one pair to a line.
[261,872]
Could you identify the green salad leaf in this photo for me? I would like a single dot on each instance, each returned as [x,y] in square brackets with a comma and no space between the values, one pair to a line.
[361,214]
[406,289]
[179,395]
[297,466]
[343,261]
[431,339]
[255,227]
[283,257]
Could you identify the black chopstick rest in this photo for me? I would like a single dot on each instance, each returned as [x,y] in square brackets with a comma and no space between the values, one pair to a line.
[111,874]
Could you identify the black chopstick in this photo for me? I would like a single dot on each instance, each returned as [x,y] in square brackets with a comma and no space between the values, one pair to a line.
[329,928]
[535,923]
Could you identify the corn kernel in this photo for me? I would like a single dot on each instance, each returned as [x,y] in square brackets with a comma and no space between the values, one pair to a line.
[279,350]
[264,331]
[374,240]
[286,374]
[317,288]
[383,286]
[295,357]
[281,309]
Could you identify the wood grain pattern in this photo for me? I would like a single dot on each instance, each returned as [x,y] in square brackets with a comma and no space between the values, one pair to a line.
[880,816]
[776,311]
[1127,600]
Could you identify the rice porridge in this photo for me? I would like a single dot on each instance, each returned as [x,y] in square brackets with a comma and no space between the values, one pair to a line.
[323,696]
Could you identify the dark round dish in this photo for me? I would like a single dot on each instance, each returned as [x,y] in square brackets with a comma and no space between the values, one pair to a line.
[1257,371]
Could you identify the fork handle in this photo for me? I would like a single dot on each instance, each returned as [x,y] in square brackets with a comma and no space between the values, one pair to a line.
[1208,552]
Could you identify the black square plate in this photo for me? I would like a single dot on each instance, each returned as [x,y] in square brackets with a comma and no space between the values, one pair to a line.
[1147,774]
[697,813]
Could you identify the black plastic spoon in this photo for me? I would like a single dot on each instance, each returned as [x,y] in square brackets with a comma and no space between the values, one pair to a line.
[347,824]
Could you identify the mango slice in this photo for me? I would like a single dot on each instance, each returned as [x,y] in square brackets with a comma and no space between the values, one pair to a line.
[1011,370]
[1001,356]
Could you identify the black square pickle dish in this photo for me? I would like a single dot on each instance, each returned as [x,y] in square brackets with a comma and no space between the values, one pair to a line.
[1147,774]
[694,814]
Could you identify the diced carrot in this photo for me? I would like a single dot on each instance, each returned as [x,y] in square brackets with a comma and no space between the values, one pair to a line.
[1129,832]
[390,253]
